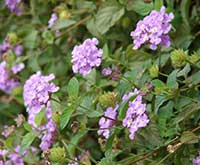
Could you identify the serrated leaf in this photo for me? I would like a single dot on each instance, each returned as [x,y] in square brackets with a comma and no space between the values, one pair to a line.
[30,39]
[171,80]
[27,141]
[124,106]
[159,102]
[184,72]
[66,116]
[48,37]
[73,88]
[107,17]
[140,7]
[60,24]
[27,127]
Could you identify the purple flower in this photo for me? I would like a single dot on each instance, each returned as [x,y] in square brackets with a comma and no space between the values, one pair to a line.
[18,49]
[115,75]
[17,68]
[37,90]
[107,121]
[136,114]
[107,71]
[13,6]
[3,152]
[86,56]
[196,160]
[52,20]
[7,84]
[8,130]
[4,47]
[153,29]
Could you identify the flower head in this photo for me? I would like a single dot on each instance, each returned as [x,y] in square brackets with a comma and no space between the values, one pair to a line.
[13,6]
[7,84]
[107,71]
[107,121]
[136,114]
[196,160]
[8,130]
[153,29]
[52,20]
[86,56]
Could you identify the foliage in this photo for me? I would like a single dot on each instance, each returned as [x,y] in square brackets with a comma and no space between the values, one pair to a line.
[173,100]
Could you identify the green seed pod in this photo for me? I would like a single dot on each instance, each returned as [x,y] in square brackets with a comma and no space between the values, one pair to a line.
[65,14]
[108,99]
[179,58]
[12,37]
[194,58]
[154,70]
[57,154]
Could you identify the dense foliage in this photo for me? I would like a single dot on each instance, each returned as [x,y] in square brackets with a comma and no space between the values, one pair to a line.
[100,82]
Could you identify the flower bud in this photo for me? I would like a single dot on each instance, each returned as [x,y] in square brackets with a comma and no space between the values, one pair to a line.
[126,22]
[179,58]
[194,58]
[56,117]
[154,70]
[57,154]
[108,99]
[12,38]
[65,14]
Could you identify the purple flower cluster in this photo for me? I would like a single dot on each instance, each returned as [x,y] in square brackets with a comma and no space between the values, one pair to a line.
[136,114]
[196,160]
[5,47]
[13,6]
[8,130]
[107,121]
[107,71]
[52,20]
[153,29]
[7,84]
[16,157]
[86,56]
[37,90]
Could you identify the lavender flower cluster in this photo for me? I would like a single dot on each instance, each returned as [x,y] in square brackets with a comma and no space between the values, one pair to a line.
[196,160]
[136,117]
[15,157]
[86,56]
[37,90]
[7,84]
[52,20]
[13,6]
[153,29]
[7,81]
[107,121]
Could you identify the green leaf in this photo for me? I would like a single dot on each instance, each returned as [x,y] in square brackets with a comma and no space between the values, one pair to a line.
[40,117]
[27,127]
[184,72]
[30,39]
[159,102]
[105,51]
[73,88]
[158,4]
[185,9]
[48,37]
[171,80]
[188,137]
[66,116]
[27,141]
[140,7]
[107,17]
[158,83]
[124,106]
[61,24]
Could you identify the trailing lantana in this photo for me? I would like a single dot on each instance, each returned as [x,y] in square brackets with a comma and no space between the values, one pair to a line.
[37,91]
